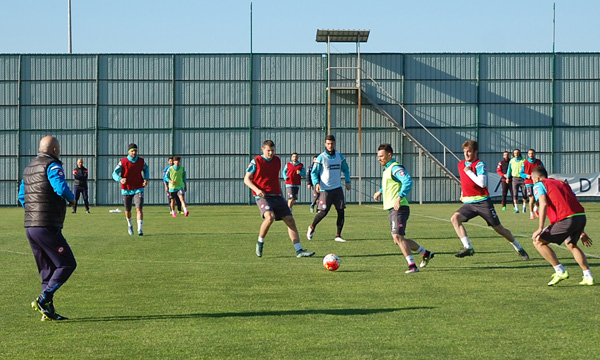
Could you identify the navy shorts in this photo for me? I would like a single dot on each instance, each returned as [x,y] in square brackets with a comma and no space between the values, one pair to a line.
[568,230]
[485,209]
[332,197]
[276,204]
[398,219]
[292,192]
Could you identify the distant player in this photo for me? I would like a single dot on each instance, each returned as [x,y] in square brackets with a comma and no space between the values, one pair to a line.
[315,195]
[80,174]
[477,202]
[262,177]
[292,174]
[514,173]
[502,170]
[176,178]
[166,183]
[526,169]
[326,177]
[567,222]
[132,173]
[396,183]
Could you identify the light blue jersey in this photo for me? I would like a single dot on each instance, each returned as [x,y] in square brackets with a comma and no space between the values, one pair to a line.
[327,171]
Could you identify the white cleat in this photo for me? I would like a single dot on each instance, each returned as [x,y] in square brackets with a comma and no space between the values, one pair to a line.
[339,239]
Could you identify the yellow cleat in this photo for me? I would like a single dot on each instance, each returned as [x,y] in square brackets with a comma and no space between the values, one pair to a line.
[587,281]
[556,278]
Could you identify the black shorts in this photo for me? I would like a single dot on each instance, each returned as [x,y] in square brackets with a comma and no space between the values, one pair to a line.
[529,190]
[398,219]
[568,229]
[292,192]
[137,199]
[485,209]
[276,204]
[518,183]
[332,197]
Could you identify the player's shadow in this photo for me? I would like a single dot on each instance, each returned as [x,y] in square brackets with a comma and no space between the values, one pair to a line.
[335,312]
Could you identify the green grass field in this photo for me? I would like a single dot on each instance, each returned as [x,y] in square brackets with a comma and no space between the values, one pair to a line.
[193,288]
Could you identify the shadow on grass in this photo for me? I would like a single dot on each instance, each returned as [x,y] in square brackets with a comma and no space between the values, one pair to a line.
[338,312]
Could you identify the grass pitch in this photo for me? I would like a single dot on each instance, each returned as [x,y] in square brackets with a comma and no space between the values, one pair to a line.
[192,288]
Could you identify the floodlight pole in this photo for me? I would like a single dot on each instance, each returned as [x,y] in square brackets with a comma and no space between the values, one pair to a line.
[328,87]
[69,26]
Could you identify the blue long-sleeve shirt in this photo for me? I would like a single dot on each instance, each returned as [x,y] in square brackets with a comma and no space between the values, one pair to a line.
[400,175]
[116,175]
[56,176]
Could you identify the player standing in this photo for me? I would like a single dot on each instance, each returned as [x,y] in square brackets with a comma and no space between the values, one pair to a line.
[326,176]
[292,174]
[526,169]
[132,173]
[502,170]
[567,222]
[396,183]
[166,183]
[262,177]
[514,173]
[80,174]
[315,195]
[477,202]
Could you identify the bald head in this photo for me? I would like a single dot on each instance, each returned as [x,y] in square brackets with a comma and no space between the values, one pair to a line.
[49,144]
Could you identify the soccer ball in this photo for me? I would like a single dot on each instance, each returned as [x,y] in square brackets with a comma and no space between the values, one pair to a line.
[331,262]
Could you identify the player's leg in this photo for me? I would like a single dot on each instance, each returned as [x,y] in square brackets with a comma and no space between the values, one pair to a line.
[77,193]
[515,194]
[458,218]
[172,198]
[138,199]
[181,197]
[504,193]
[86,200]
[324,206]
[128,202]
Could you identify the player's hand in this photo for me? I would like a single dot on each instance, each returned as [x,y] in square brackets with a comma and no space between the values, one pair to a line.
[377,196]
[536,234]
[318,188]
[123,181]
[260,193]
[586,240]
[348,186]
[73,203]
[397,203]
[144,183]
[298,172]
[467,169]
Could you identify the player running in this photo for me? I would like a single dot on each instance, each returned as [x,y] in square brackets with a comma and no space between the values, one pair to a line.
[292,174]
[262,177]
[477,202]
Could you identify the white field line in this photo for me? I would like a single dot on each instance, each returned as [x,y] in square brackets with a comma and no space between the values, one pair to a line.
[490,229]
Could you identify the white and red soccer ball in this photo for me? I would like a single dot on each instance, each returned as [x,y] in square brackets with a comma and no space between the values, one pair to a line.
[331,262]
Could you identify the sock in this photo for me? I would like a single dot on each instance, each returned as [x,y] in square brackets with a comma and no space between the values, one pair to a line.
[184,208]
[516,245]
[140,222]
[261,239]
[410,260]
[531,213]
[559,269]
[298,246]
[587,274]
[129,221]
[466,243]
[420,250]
[524,206]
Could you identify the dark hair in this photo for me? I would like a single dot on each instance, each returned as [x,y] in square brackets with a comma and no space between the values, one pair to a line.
[471,144]
[268,143]
[170,158]
[316,156]
[518,151]
[387,147]
[294,153]
[176,158]
[540,171]
[330,137]
[531,150]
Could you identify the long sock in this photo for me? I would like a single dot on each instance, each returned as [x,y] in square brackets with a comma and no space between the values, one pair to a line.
[319,217]
[420,250]
[516,245]
[340,221]
[410,260]
[466,243]
[298,246]
[139,223]
[261,239]
[129,222]
[560,269]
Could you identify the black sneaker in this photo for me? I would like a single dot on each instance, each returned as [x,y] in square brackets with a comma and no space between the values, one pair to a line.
[47,310]
[427,255]
[465,252]
[523,254]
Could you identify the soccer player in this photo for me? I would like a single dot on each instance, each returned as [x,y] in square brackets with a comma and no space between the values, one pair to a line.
[292,174]
[315,195]
[477,202]
[396,183]
[44,195]
[262,177]
[567,222]
[502,170]
[166,183]
[528,165]
[132,173]
[326,177]
[514,173]
[176,178]
[80,174]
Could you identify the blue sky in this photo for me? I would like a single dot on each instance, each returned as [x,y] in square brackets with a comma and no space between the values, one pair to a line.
[282,26]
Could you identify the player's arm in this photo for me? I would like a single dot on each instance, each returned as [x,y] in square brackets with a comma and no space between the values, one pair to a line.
[509,171]
[56,177]
[284,172]
[248,181]
[146,174]
[22,193]
[316,173]
[539,193]
[499,170]
[184,180]
[402,176]
[346,170]
[480,177]
[522,171]
[116,175]
[377,194]
[302,172]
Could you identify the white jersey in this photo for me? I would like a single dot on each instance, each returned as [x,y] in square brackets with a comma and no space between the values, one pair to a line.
[331,171]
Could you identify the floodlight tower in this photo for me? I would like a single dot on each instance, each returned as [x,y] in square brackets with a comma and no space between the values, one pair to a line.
[333,83]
